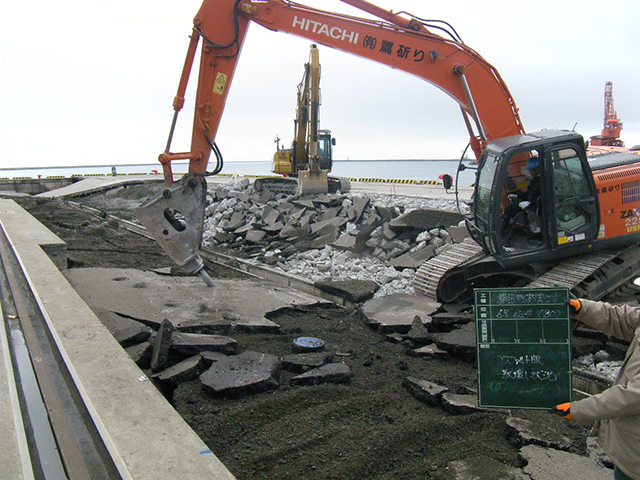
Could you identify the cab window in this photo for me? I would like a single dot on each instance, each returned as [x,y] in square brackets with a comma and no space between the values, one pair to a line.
[573,199]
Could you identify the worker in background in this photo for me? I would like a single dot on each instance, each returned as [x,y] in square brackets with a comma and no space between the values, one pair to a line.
[614,413]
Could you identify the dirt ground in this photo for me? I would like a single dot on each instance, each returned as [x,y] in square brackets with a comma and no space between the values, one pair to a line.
[371,428]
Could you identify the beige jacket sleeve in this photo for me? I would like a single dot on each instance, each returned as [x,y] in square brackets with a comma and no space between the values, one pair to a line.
[623,398]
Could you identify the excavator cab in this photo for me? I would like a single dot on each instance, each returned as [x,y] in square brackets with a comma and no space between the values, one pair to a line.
[325,150]
[534,198]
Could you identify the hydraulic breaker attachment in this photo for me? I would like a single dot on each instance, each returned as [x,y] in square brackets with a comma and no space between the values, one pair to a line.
[175,218]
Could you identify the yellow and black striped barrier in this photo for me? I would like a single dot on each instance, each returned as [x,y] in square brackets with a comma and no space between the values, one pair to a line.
[396,180]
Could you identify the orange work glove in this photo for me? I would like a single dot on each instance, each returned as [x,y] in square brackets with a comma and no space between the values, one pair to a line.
[574,303]
[563,410]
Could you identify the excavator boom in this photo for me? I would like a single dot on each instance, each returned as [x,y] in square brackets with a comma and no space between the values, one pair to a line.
[400,41]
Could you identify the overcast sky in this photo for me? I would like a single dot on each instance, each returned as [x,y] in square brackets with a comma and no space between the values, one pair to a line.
[92,82]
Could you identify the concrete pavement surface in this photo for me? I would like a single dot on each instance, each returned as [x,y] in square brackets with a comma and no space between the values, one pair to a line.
[186,301]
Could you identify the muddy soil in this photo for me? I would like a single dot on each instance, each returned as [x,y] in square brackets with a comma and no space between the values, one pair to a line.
[371,428]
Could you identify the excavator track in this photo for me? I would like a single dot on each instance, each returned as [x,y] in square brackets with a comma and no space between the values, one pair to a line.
[430,273]
[592,275]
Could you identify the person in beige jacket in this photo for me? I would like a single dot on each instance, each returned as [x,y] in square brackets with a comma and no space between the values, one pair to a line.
[614,413]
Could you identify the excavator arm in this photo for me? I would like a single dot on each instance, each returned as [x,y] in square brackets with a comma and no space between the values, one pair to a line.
[398,40]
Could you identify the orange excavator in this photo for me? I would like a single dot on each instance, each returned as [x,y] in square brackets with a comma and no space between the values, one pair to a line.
[582,206]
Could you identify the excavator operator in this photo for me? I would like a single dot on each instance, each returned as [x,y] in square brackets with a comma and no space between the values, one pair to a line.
[522,213]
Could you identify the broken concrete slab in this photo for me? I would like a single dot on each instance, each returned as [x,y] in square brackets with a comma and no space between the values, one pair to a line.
[458,404]
[538,460]
[186,301]
[183,371]
[460,342]
[302,362]
[130,336]
[447,322]
[355,290]
[237,220]
[412,259]
[210,357]
[358,208]
[255,235]
[522,432]
[326,239]
[484,468]
[329,373]
[141,354]
[194,343]
[429,351]
[425,391]
[419,335]
[426,219]
[458,234]
[161,346]
[246,373]
[126,331]
[395,313]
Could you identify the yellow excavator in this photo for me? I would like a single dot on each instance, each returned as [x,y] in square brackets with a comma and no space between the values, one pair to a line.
[305,166]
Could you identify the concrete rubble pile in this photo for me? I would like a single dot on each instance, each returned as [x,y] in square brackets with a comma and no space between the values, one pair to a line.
[379,238]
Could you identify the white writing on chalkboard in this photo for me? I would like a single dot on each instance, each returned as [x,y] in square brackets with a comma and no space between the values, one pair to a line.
[520,360]
[521,374]
[518,313]
[511,298]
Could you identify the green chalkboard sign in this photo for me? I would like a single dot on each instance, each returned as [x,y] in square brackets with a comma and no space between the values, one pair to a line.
[523,338]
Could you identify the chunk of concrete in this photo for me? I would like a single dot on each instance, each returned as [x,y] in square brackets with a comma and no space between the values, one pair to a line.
[246,373]
[183,371]
[236,221]
[194,343]
[358,208]
[161,346]
[329,373]
[355,290]
[412,259]
[457,404]
[426,219]
[418,334]
[303,362]
[549,464]
[458,234]
[460,343]
[255,235]
[447,322]
[326,239]
[425,391]
[429,351]
[395,313]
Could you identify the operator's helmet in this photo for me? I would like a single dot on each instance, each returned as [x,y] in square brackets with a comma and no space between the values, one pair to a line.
[533,162]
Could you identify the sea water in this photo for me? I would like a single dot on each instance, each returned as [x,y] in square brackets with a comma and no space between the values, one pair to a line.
[428,170]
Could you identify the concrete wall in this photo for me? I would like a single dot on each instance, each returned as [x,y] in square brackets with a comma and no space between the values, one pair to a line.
[34,186]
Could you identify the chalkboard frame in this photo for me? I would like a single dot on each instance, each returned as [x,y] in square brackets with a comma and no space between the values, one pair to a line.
[523,346]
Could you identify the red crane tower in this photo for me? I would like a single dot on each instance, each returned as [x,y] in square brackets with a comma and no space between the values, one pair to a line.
[610,136]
